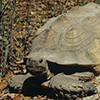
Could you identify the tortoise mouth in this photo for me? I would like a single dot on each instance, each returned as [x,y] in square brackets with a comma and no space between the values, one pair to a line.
[37,69]
[39,72]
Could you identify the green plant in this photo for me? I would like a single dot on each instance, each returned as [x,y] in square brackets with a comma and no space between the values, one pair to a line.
[28,29]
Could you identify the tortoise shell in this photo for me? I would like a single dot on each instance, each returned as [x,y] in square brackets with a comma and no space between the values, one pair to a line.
[70,38]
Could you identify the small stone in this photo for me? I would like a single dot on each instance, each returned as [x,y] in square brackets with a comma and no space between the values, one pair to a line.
[92,97]
[98,88]
[35,98]
[98,78]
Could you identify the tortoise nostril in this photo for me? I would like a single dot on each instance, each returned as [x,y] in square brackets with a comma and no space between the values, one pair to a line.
[41,61]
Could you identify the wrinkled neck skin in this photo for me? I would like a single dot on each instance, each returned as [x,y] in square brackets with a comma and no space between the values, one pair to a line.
[38,68]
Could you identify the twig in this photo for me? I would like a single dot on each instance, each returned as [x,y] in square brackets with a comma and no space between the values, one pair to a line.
[6,6]
[65,6]
[6,54]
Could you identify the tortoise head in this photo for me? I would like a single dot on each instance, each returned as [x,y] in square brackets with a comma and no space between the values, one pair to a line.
[37,67]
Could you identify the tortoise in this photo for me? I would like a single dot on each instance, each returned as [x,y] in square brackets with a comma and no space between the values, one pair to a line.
[71,39]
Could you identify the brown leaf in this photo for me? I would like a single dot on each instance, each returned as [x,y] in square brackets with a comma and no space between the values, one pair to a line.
[8,76]
[18,97]
[39,97]
[3,85]
[8,98]
[2,93]
[18,59]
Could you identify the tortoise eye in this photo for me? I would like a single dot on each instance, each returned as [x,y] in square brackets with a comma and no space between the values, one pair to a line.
[41,61]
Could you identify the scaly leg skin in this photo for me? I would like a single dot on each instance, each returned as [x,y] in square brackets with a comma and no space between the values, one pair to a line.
[16,81]
[25,84]
[70,87]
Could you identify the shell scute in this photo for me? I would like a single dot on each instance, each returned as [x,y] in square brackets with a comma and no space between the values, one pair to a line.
[71,38]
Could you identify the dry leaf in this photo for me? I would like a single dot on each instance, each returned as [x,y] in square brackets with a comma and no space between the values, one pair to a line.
[3,85]
[18,97]
[8,76]
[18,59]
